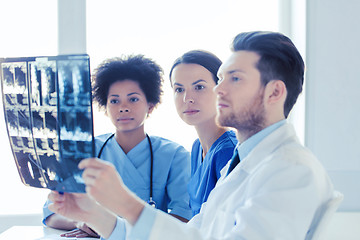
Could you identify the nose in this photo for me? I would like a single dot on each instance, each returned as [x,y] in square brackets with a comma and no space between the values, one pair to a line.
[124,108]
[188,98]
[219,88]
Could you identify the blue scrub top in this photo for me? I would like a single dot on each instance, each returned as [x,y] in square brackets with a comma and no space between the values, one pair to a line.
[171,172]
[205,173]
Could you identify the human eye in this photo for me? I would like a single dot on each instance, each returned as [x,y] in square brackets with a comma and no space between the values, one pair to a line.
[199,87]
[113,101]
[235,78]
[134,99]
[179,90]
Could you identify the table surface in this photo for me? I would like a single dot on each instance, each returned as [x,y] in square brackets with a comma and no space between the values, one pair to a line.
[34,233]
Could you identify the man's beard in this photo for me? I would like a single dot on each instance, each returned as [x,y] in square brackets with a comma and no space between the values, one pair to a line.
[249,121]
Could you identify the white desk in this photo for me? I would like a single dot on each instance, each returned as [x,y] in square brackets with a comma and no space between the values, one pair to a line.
[34,233]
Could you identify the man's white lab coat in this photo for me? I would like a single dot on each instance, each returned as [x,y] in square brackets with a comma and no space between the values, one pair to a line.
[273,193]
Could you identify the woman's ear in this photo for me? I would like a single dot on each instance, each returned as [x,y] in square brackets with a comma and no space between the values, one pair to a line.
[151,108]
[275,91]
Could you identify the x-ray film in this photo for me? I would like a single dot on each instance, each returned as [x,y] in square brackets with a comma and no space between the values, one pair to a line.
[48,115]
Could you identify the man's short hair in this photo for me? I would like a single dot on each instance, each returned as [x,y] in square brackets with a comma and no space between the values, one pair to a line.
[279,60]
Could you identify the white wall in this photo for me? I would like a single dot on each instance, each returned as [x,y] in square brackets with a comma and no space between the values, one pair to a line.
[332,93]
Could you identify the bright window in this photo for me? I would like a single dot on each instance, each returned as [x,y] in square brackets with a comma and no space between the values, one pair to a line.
[159,29]
[164,30]
[28,28]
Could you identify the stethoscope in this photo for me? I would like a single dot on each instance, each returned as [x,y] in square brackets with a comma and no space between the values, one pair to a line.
[151,202]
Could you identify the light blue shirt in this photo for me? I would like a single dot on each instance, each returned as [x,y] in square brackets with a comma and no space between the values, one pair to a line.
[142,228]
[171,172]
[246,147]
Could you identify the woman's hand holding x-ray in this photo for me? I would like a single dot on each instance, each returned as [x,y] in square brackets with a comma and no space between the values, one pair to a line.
[76,206]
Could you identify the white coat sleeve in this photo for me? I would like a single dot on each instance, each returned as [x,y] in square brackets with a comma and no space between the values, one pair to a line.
[281,208]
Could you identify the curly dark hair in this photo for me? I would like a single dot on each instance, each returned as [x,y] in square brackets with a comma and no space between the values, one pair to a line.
[146,72]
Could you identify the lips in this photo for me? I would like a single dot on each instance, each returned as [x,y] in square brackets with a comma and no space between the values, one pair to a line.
[222,105]
[124,119]
[191,111]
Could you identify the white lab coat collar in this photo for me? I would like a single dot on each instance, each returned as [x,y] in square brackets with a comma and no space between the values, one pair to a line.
[268,145]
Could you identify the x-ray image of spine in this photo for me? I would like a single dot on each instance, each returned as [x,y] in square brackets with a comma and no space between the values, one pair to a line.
[16,98]
[68,125]
[8,76]
[19,125]
[17,114]
[10,99]
[51,124]
[35,81]
[29,169]
[42,79]
[13,122]
[73,82]
[38,124]
[20,78]
[82,89]
[14,78]
[50,90]
[48,113]
[75,126]
[66,88]
[83,117]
